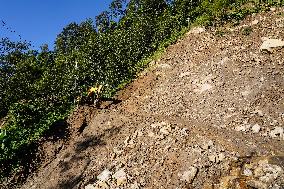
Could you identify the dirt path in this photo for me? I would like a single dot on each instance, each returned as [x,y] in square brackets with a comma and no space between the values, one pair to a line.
[209,114]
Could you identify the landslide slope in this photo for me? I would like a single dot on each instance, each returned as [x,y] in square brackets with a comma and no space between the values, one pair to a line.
[208,114]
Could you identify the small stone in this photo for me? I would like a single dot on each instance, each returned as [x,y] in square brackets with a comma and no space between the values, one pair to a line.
[256,184]
[226,182]
[117,151]
[104,176]
[262,80]
[247,172]
[255,128]
[212,158]
[184,74]
[235,172]
[245,93]
[151,134]
[205,87]
[127,141]
[121,181]
[156,125]
[134,186]
[165,130]
[161,137]
[254,22]
[120,176]
[241,128]
[273,9]
[259,112]
[208,186]
[224,60]
[262,162]
[207,145]
[102,185]
[189,175]
[140,134]
[164,66]
[277,132]
[258,172]
[274,122]
[221,157]
[197,30]
[90,186]
[184,132]
[210,143]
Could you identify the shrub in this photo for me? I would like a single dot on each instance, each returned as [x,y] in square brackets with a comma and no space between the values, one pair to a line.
[247,30]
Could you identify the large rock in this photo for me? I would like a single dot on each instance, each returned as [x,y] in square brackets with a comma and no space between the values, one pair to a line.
[256,128]
[189,175]
[104,176]
[268,44]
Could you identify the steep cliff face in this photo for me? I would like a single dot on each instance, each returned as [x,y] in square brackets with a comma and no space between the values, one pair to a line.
[208,114]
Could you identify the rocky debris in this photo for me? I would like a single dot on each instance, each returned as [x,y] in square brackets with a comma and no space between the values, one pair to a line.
[224,61]
[256,173]
[255,22]
[184,132]
[189,175]
[255,128]
[212,158]
[90,186]
[166,130]
[107,180]
[129,142]
[247,172]
[208,144]
[258,112]
[221,157]
[184,74]
[164,66]
[157,125]
[134,186]
[216,156]
[277,132]
[203,87]
[242,128]
[120,177]
[257,184]
[265,174]
[105,175]
[102,185]
[269,44]
[197,30]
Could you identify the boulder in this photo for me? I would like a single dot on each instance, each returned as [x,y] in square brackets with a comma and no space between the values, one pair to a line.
[268,44]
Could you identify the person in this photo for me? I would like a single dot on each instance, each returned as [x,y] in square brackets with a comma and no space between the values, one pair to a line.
[94,94]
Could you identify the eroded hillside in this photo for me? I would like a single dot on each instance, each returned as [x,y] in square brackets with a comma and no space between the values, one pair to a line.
[208,114]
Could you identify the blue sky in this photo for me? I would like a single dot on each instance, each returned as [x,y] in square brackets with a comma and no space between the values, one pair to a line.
[40,21]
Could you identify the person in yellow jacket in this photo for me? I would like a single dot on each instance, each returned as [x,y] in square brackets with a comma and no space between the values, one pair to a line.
[94,93]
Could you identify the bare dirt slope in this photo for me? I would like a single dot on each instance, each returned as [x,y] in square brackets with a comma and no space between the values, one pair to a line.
[208,114]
